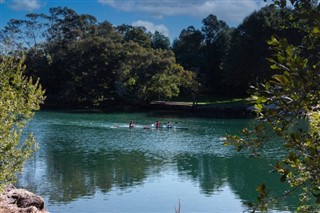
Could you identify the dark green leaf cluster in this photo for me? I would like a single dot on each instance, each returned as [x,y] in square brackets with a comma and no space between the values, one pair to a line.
[203,51]
[288,104]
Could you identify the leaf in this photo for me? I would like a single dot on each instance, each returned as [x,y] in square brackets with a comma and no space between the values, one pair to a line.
[316,30]
[261,189]
[258,107]
[279,168]
[292,157]
[262,99]
[272,41]
[281,79]
[289,51]
[275,67]
[254,98]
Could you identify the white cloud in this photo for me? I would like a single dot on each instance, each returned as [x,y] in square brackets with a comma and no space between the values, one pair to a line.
[151,27]
[28,5]
[231,11]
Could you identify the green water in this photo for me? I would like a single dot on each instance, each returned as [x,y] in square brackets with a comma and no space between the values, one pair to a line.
[90,162]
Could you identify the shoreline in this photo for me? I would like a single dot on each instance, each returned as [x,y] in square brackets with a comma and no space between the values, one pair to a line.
[15,200]
[238,110]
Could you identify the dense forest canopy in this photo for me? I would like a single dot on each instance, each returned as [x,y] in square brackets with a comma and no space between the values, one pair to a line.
[228,60]
[83,62]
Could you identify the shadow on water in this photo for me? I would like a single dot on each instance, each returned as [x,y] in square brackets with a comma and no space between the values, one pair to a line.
[204,114]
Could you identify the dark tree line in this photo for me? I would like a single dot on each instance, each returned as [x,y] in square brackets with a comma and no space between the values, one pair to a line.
[228,60]
[82,62]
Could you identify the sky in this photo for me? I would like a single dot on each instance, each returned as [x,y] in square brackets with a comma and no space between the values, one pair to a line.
[166,16]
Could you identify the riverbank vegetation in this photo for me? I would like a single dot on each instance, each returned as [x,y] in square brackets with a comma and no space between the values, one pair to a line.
[20,96]
[81,62]
[294,91]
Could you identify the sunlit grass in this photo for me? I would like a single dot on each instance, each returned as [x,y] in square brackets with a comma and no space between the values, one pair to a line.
[208,101]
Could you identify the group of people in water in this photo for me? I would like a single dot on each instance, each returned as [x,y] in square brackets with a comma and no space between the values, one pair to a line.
[157,124]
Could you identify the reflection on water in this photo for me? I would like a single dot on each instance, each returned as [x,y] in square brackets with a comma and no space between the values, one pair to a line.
[93,163]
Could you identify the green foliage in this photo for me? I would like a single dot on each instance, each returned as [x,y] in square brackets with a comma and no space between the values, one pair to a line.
[148,74]
[82,63]
[86,71]
[245,62]
[135,34]
[187,49]
[223,60]
[65,25]
[159,41]
[19,98]
[217,35]
[202,51]
[294,94]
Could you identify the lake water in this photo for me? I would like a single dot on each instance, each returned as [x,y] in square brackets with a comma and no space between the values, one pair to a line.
[90,162]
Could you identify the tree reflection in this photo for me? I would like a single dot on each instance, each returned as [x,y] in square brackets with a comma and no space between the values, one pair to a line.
[243,174]
[210,172]
[74,169]
[82,173]
[77,161]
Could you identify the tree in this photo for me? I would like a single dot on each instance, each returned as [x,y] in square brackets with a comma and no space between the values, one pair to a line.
[62,25]
[106,30]
[89,66]
[216,35]
[19,98]
[160,41]
[137,34]
[83,76]
[187,49]
[146,74]
[66,25]
[202,51]
[22,34]
[80,62]
[294,92]
[245,63]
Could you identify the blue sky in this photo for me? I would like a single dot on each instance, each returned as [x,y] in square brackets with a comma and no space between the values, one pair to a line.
[166,16]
